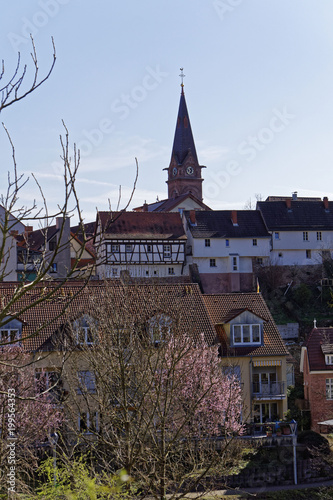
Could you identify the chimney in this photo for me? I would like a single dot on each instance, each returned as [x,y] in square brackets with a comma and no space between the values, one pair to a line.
[294,196]
[325,200]
[193,220]
[145,207]
[28,230]
[234,217]
[288,203]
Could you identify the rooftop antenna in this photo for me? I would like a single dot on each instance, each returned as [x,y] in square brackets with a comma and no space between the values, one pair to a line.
[182,77]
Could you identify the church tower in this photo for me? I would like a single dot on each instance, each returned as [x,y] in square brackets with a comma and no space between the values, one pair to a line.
[184,172]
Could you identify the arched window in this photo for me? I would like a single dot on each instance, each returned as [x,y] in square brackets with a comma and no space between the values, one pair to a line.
[84,330]
[159,328]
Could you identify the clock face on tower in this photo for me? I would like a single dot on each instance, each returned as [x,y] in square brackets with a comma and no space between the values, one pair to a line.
[174,171]
[190,170]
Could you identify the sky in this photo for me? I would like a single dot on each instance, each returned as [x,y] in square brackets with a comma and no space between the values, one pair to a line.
[258,86]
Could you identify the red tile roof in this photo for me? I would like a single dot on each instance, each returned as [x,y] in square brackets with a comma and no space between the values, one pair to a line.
[138,302]
[319,341]
[145,225]
[222,306]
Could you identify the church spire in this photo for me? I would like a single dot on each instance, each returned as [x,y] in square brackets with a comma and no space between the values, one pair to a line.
[184,172]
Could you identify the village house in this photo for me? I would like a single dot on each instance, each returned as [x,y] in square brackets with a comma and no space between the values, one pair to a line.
[226,246]
[144,244]
[317,368]
[301,230]
[252,348]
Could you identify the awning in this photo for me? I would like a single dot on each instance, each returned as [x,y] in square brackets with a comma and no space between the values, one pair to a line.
[268,362]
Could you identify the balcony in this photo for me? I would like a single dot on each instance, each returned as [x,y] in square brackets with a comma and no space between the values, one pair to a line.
[269,390]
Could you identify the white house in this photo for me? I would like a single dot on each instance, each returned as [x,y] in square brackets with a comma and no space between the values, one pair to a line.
[145,244]
[301,230]
[225,246]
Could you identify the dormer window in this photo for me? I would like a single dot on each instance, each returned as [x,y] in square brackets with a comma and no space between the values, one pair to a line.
[84,330]
[159,328]
[329,359]
[246,334]
[10,332]
[8,335]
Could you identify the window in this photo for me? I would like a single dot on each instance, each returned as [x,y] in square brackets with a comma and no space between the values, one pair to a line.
[87,382]
[114,271]
[226,243]
[280,255]
[276,235]
[114,248]
[246,334]
[88,422]
[159,328]
[329,388]
[318,235]
[329,359]
[53,244]
[171,270]
[8,335]
[128,248]
[149,248]
[49,380]
[308,254]
[234,264]
[254,242]
[84,330]
[305,236]
[212,262]
[207,242]
[167,251]
[53,268]
[260,261]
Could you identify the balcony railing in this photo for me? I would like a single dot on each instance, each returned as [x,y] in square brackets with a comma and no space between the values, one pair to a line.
[271,390]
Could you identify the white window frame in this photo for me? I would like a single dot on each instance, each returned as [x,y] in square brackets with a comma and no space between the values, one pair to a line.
[305,236]
[308,254]
[319,236]
[167,251]
[171,271]
[9,332]
[227,242]
[242,326]
[114,247]
[149,248]
[128,247]
[86,381]
[207,242]
[235,263]
[329,359]
[212,263]
[159,328]
[276,235]
[255,242]
[86,330]
[329,388]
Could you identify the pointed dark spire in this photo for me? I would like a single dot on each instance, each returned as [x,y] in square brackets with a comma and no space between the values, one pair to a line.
[183,141]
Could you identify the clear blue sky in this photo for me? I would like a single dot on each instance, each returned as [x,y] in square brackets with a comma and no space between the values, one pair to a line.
[258,85]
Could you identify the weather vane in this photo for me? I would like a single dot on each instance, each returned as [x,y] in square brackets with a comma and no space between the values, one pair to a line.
[182,77]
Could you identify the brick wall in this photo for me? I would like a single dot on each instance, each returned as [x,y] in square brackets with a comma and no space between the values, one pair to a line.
[315,392]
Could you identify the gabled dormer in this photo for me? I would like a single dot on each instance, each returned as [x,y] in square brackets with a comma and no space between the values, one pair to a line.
[243,328]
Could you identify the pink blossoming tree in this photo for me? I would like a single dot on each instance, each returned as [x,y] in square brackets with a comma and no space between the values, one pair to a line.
[27,418]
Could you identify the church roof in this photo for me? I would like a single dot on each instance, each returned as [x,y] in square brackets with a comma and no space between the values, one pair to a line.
[183,140]
[170,204]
